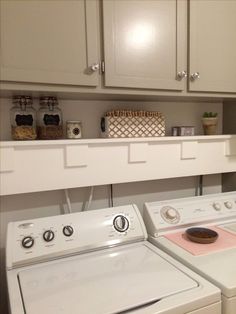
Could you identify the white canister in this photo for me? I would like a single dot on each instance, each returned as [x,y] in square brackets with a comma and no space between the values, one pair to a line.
[74,129]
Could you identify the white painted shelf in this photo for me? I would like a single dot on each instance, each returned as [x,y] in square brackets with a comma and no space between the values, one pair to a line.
[30,166]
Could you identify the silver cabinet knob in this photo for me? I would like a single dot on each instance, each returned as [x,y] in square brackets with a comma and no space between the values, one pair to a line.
[94,67]
[195,76]
[181,75]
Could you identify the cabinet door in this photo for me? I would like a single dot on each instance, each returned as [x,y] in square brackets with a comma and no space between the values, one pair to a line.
[145,43]
[49,41]
[213,45]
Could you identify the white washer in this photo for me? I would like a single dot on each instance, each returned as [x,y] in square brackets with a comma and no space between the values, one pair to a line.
[99,262]
[166,222]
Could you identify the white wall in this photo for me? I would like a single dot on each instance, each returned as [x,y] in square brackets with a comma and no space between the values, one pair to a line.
[27,206]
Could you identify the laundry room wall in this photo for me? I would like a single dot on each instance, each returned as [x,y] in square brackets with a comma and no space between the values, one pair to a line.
[91,111]
[42,204]
[229,127]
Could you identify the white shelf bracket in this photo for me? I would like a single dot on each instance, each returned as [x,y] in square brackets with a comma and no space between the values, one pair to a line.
[189,150]
[230,147]
[7,160]
[138,152]
[76,155]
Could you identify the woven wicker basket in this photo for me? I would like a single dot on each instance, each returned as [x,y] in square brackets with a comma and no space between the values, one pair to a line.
[133,126]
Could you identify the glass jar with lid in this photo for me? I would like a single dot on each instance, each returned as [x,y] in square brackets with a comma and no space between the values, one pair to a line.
[49,119]
[23,119]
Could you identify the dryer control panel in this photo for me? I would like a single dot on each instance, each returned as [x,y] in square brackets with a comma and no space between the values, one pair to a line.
[43,239]
[170,215]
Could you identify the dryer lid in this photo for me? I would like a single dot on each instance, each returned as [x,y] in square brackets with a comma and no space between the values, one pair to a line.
[105,282]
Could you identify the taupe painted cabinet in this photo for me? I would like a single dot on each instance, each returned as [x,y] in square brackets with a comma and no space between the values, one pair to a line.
[212,42]
[145,44]
[49,41]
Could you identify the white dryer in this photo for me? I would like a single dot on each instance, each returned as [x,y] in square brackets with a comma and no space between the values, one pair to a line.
[167,221]
[98,262]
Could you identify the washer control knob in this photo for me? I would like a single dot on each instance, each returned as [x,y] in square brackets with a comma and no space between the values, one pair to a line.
[228,205]
[27,242]
[121,223]
[68,231]
[216,206]
[48,235]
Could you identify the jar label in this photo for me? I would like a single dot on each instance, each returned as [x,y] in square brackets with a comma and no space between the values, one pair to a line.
[51,119]
[24,119]
[76,131]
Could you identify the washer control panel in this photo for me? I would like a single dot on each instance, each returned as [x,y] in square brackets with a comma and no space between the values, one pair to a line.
[172,214]
[51,237]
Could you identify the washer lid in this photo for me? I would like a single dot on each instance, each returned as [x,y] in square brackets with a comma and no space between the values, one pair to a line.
[109,281]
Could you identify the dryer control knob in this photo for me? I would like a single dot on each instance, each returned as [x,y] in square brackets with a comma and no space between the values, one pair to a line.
[171,213]
[48,235]
[68,231]
[121,223]
[228,205]
[216,206]
[27,242]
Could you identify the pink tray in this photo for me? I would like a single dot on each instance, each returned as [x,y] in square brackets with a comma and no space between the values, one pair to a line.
[225,240]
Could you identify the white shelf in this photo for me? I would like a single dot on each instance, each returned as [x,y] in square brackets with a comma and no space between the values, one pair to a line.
[30,166]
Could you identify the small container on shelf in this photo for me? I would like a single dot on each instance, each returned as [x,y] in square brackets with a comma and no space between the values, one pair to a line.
[23,119]
[183,131]
[73,129]
[49,119]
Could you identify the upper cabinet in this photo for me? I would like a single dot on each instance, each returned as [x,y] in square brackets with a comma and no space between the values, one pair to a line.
[154,46]
[212,45]
[145,44]
[52,42]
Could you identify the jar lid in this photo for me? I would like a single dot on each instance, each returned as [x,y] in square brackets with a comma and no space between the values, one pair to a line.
[48,100]
[22,100]
[73,121]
